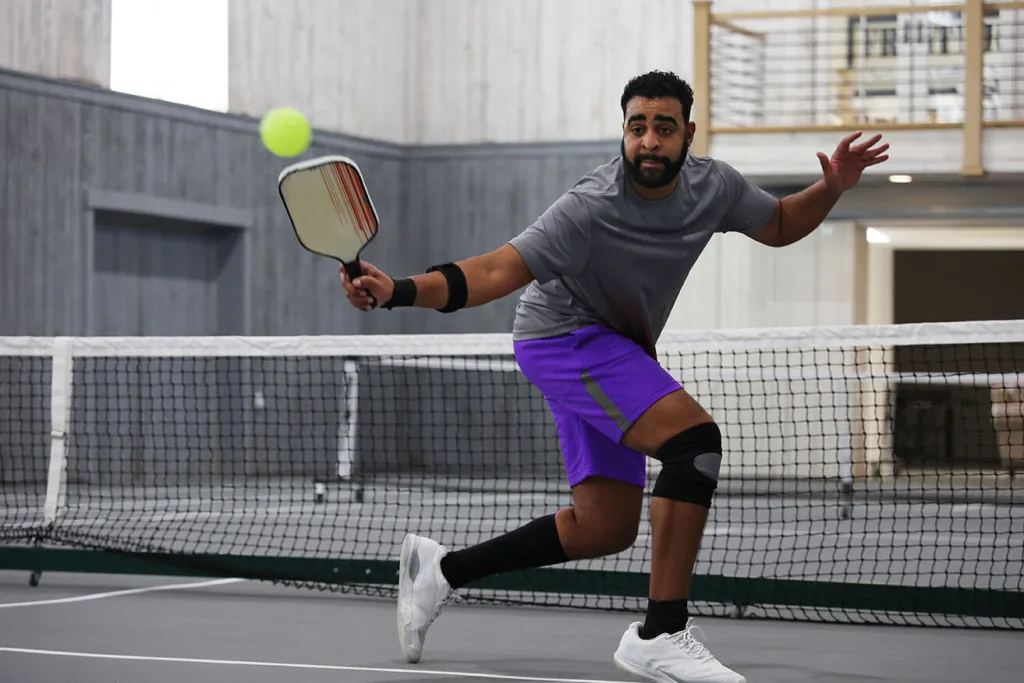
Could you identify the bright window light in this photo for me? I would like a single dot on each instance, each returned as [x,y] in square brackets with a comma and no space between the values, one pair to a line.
[173,50]
[877,236]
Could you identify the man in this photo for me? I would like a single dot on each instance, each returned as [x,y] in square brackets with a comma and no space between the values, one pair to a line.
[604,265]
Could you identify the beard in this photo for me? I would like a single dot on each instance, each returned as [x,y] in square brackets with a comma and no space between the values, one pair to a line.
[653,178]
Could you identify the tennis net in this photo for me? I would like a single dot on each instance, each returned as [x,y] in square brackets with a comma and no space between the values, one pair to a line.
[869,472]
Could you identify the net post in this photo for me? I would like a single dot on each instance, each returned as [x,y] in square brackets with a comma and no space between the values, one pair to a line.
[845,429]
[61,383]
[348,428]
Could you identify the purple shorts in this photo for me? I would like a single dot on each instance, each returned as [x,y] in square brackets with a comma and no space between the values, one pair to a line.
[597,383]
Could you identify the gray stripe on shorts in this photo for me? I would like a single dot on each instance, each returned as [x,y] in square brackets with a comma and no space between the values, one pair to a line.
[610,409]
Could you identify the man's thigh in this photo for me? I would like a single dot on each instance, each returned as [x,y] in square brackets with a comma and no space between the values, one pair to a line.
[598,376]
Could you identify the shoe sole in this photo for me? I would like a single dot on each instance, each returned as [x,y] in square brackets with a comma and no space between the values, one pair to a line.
[636,670]
[408,548]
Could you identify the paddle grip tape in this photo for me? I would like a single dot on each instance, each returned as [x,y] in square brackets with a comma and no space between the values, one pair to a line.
[354,270]
[458,292]
[404,294]
[690,462]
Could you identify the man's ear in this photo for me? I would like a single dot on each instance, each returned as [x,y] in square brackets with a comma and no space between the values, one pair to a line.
[691,129]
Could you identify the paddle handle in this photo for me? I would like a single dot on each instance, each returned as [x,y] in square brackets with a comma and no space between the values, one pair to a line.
[353,269]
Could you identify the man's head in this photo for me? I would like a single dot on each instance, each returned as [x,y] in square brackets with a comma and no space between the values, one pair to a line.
[656,128]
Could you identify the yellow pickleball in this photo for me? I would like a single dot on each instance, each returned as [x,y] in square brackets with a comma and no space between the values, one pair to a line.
[285,131]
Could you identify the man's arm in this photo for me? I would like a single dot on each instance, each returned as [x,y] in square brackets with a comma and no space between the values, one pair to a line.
[489,277]
[477,280]
[798,215]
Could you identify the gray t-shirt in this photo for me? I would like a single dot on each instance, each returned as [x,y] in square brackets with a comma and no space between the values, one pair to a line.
[601,254]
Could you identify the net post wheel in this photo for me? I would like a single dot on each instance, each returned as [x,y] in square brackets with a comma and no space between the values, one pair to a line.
[319,491]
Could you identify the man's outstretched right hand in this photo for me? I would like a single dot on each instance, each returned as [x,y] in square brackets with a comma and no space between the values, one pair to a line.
[373,282]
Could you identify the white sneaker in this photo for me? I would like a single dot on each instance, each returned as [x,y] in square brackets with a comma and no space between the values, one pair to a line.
[671,658]
[422,592]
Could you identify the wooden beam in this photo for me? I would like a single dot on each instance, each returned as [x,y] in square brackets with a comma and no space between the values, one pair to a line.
[829,127]
[838,12]
[736,28]
[974,19]
[701,113]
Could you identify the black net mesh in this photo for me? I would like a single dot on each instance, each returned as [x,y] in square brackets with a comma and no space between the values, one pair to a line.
[864,479]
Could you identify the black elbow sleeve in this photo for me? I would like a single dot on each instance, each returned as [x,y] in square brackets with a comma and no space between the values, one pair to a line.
[458,293]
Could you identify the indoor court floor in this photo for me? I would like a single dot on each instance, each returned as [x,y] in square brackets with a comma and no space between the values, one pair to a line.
[99,629]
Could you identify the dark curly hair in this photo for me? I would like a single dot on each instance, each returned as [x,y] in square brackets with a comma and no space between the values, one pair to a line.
[659,84]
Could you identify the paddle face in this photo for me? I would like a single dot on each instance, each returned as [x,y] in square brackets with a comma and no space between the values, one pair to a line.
[330,208]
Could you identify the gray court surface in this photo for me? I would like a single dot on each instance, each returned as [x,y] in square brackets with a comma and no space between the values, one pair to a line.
[98,628]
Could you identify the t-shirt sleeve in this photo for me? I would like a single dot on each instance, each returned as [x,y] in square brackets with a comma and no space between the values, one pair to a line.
[750,207]
[557,244]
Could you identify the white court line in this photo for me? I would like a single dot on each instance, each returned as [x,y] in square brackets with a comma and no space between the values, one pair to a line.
[114,594]
[291,665]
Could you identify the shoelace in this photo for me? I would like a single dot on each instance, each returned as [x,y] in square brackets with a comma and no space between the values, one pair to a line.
[691,645]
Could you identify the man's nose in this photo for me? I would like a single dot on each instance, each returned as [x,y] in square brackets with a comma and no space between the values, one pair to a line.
[650,142]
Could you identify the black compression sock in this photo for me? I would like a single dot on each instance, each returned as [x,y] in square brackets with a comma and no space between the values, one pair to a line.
[664,617]
[533,545]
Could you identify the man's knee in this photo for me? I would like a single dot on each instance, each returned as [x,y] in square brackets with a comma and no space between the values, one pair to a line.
[690,463]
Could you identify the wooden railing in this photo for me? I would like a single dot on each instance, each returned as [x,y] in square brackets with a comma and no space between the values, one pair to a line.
[957,66]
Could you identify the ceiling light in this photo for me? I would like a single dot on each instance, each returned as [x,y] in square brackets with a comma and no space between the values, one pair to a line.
[900,178]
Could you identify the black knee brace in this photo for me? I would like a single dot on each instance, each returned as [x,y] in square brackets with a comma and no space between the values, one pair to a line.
[689,465]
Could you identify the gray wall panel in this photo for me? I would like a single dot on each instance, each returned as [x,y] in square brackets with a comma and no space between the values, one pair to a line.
[62,141]
[57,38]
[42,246]
[157,277]
[8,286]
[289,50]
